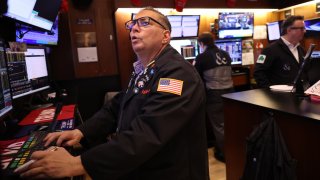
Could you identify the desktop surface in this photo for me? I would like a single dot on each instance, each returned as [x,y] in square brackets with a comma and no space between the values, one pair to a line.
[279,101]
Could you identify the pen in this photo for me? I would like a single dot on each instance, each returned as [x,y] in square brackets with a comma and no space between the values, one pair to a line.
[27,164]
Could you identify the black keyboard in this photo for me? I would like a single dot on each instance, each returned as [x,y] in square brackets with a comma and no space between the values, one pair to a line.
[33,143]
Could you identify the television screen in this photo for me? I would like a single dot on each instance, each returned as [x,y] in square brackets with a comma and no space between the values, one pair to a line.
[5,94]
[313,72]
[315,55]
[312,27]
[29,35]
[38,13]
[184,26]
[273,31]
[233,47]
[188,48]
[235,24]
[28,72]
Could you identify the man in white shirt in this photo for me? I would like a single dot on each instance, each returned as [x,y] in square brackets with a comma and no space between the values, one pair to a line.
[279,62]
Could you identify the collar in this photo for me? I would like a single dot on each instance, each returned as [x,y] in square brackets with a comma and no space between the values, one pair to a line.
[138,67]
[291,46]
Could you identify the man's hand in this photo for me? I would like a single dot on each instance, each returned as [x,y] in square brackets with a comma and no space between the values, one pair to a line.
[65,138]
[53,164]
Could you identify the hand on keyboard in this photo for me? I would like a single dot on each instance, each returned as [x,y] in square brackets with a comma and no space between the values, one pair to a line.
[65,138]
[53,164]
[26,165]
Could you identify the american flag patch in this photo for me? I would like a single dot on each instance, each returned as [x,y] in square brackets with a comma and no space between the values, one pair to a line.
[173,86]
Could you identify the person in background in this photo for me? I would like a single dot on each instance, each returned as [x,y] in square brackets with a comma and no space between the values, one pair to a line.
[153,130]
[214,67]
[279,62]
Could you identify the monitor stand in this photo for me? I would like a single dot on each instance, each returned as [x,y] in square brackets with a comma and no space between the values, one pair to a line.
[299,89]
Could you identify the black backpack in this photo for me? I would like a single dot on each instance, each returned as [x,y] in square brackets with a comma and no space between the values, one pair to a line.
[267,156]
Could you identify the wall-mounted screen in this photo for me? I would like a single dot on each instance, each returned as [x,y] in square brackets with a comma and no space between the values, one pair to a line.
[233,47]
[312,27]
[235,24]
[273,31]
[39,13]
[29,35]
[28,72]
[184,26]
[5,94]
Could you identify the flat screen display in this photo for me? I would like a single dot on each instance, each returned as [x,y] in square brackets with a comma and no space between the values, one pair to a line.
[28,72]
[184,25]
[29,35]
[273,31]
[312,27]
[39,13]
[188,48]
[235,24]
[313,72]
[233,47]
[5,93]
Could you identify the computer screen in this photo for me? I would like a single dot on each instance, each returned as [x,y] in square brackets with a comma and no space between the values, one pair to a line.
[233,47]
[313,72]
[38,13]
[5,94]
[188,48]
[273,30]
[184,26]
[28,71]
[312,27]
[235,24]
[34,36]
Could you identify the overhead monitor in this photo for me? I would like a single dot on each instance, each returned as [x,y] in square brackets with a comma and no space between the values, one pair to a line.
[28,71]
[312,27]
[39,13]
[235,24]
[233,47]
[5,95]
[273,30]
[35,36]
[184,26]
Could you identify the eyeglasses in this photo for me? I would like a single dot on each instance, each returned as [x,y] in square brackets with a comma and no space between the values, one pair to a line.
[143,21]
[301,28]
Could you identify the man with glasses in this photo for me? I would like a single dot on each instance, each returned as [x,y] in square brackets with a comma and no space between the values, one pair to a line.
[155,129]
[279,62]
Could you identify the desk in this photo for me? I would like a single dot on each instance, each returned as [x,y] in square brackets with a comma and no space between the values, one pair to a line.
[298,120]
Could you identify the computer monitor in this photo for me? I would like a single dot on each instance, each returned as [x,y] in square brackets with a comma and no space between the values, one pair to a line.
[313,72]
[28,71]
[35,36]
[188,48]
[312,27]
[233,47]
[273,30]
[5,94]
[39,13]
